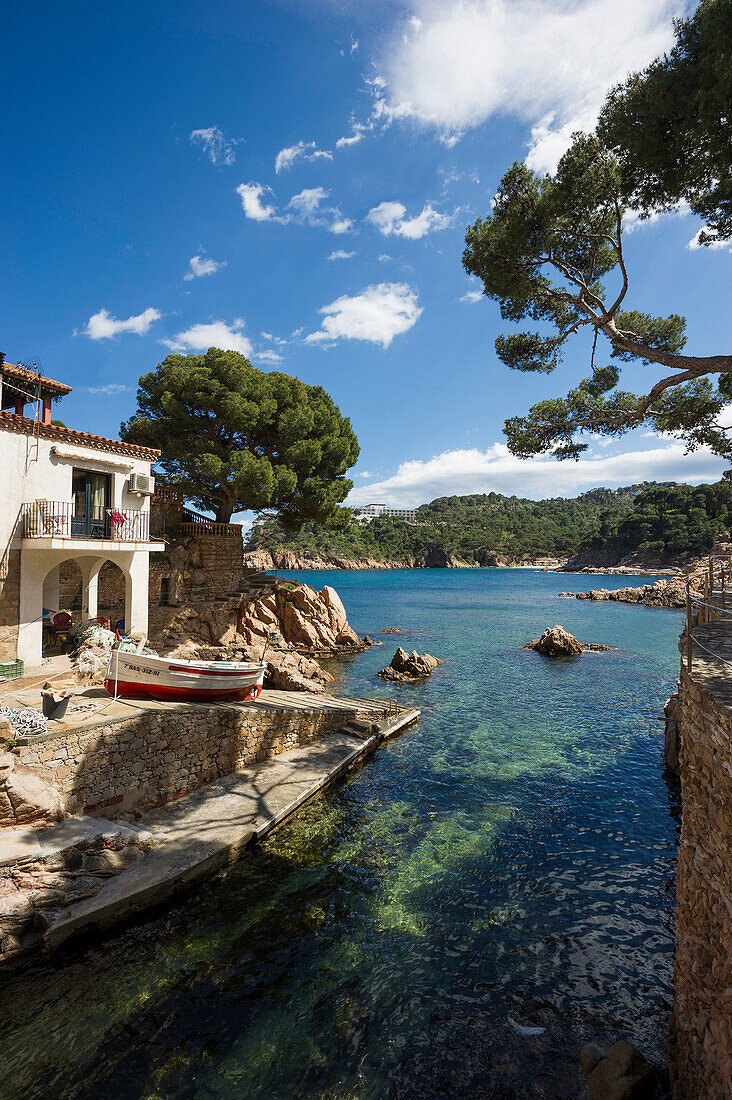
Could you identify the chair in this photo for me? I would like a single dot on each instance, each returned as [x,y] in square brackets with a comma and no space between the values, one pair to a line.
[61,624]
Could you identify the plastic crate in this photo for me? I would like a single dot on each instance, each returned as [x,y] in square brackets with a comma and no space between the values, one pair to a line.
[11,670]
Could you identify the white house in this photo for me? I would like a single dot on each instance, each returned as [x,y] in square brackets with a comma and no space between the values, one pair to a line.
[371,511]
[64,495]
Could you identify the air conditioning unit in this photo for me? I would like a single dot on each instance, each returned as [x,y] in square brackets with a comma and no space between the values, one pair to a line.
[142,484]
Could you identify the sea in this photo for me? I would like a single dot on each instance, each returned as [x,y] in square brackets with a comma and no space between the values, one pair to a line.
[489,892]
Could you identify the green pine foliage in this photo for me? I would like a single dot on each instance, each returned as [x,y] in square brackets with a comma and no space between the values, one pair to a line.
[667,520]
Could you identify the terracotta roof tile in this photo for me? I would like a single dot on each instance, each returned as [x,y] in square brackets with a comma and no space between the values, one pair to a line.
[25,375]
[9,422]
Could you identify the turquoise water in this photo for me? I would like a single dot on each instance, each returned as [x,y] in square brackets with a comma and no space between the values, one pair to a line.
[509,858]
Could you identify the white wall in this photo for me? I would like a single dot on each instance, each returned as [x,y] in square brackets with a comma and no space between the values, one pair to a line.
[23,478]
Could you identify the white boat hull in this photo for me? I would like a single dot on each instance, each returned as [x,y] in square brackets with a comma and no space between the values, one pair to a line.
[133,674]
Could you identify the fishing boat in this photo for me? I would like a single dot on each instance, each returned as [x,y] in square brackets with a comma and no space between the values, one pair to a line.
[144,674]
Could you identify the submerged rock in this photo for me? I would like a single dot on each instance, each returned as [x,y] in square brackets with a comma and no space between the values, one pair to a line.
[621,1074]
[409,666]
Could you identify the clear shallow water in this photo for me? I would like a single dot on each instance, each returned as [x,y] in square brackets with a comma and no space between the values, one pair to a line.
[511,857]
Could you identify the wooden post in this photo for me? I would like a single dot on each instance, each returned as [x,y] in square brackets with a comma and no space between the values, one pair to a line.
[724,602]
[688,633]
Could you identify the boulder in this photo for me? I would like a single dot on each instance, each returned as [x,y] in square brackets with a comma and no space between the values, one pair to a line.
[556,642]
[27,795]
[622,1074]
[409,666]
[337,612]
[8,736]
[293,672]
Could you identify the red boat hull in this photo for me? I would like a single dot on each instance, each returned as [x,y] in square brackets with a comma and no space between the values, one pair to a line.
[192,694]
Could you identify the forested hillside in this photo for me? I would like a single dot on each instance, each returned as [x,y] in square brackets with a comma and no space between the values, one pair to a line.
[663,520]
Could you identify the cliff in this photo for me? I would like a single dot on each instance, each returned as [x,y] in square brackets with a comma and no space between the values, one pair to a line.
[304,559]
[434,558]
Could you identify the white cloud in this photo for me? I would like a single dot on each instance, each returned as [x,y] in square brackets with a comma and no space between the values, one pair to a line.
[389,218]
[495,470]
[377,314]
[304,150]
[695,244]
[203,265]
[546,62]
[632,220]
[251,202]
[306,208]
[308,201]
[214,143]
[102,326]
[341,254]
[215,334]
[267,355]
[340,224]
[110,389]
[472,296]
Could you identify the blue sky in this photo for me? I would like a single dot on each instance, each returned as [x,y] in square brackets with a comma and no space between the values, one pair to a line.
[294,180]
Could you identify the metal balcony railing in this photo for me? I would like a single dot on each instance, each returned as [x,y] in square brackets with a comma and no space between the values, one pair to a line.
[61,518]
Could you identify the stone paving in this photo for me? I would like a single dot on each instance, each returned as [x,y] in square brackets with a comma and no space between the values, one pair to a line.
[711,666]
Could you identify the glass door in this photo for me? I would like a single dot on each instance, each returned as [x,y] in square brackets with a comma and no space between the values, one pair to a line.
[90,492]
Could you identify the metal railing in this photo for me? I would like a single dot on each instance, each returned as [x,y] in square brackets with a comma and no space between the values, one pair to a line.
[61,519]
[706,601]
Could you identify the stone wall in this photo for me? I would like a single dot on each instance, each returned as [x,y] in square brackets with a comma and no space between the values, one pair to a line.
[135,764]
[9,603]
[700,1048]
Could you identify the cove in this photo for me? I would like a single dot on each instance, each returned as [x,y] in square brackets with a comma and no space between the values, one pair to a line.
[510,858]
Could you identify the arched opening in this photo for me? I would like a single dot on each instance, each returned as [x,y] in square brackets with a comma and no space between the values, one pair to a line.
[165,592]
[112,588]
[69,587]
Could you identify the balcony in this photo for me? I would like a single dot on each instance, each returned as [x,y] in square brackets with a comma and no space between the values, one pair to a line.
[52,519]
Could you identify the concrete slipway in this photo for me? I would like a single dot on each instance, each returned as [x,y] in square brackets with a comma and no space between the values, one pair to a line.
[210,827]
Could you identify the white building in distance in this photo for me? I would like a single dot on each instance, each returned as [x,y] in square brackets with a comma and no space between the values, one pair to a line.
[371,511]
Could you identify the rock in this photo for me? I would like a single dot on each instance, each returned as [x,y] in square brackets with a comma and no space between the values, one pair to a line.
[590,1055]
[348,637]
[333,602]
[391,630]
[409,666]
[27,795]
[8,735]
[622,1074]
[664,593]
[556,642]
[108,862]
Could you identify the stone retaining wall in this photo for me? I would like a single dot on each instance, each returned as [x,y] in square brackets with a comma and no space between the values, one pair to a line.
[159,756]
[700,1048]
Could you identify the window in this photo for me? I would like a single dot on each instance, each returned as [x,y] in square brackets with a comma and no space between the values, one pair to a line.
[91,497]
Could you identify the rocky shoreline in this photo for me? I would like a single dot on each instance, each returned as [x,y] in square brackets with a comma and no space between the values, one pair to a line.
[663,593]
[289,622]
[432,559]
